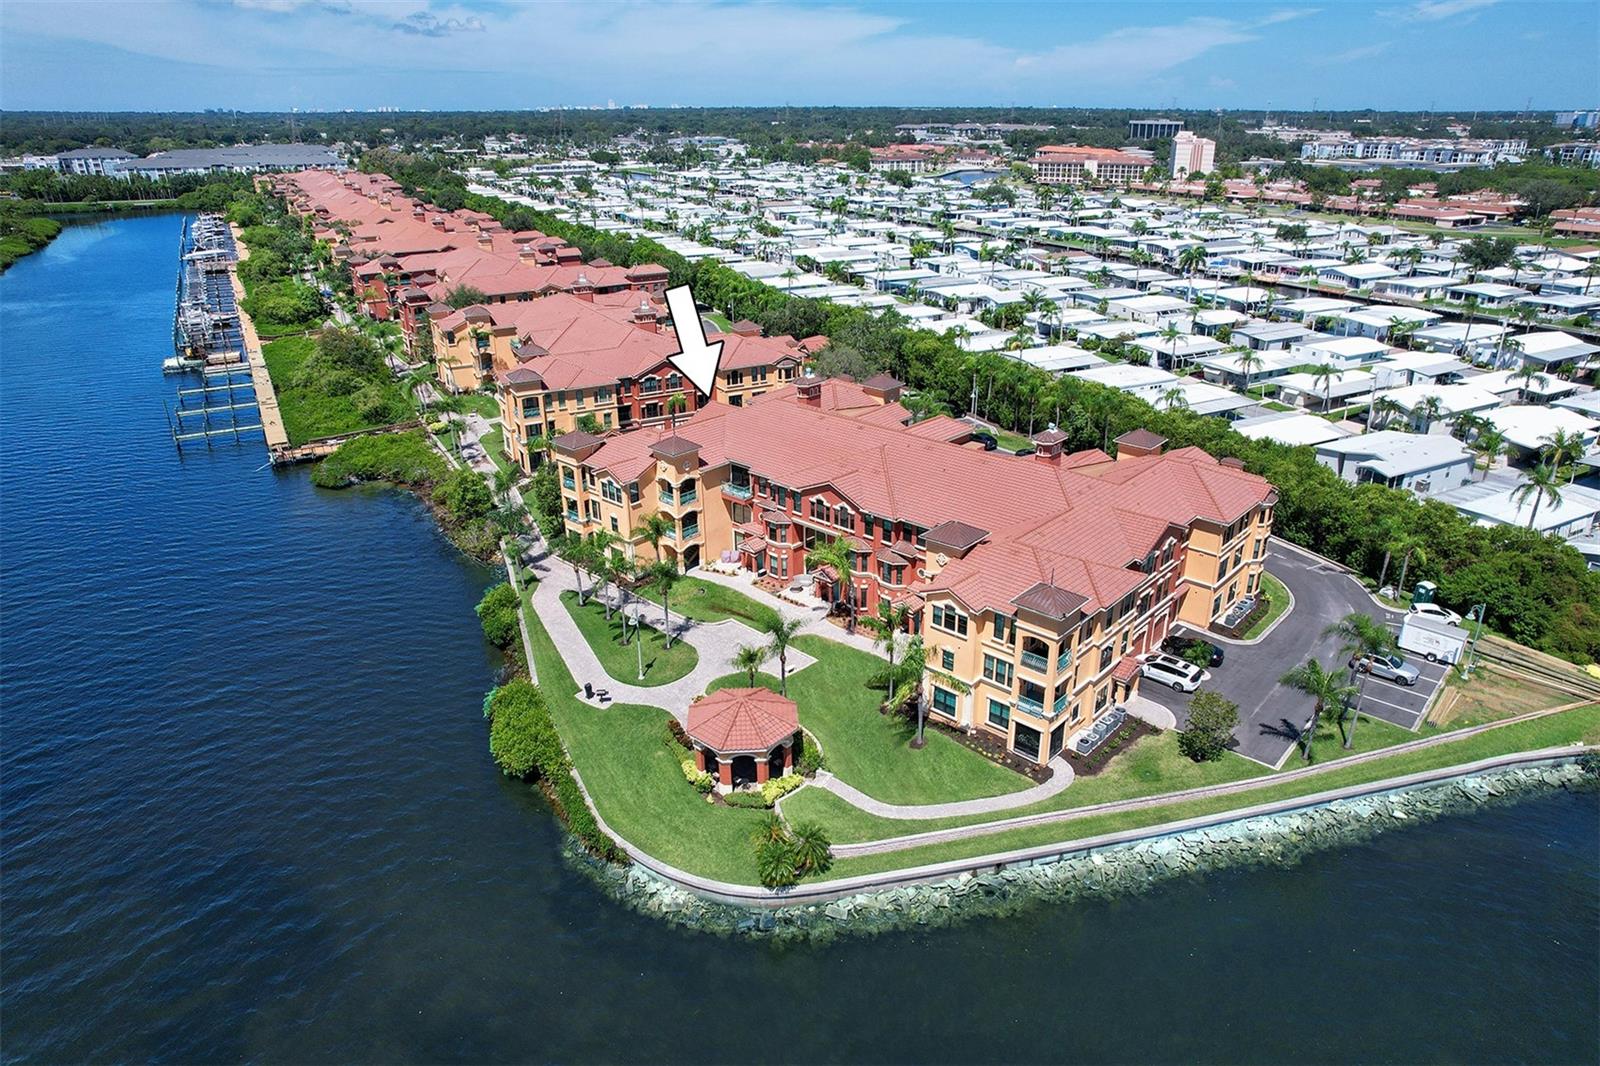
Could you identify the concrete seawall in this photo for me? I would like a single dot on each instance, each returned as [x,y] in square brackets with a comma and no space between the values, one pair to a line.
[1107,863]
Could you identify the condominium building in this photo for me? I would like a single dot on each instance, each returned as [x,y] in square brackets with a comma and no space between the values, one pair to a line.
[1035,582]
[1057,164]
[1439,152]
[1152,129]
[573,360]
[1192,155]
[1577,153]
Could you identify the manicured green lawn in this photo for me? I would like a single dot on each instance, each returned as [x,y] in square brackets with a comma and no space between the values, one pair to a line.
[482,403]
[494,445]
[1328,744]
[872,751]
[1581,724]
[661,664]
[306,413]
[1151,766]
[705,601]
[634,775]
[1278,600]
[1012,441]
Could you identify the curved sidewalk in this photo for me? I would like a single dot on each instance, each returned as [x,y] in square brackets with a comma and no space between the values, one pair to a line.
[715,642]
[956,808]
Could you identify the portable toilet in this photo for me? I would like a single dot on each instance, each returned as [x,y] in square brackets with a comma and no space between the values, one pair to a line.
[1424,592]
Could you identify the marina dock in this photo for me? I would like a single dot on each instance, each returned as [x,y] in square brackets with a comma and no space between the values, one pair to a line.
[266,396]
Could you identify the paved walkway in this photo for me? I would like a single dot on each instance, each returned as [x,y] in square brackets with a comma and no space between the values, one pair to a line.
[816,617]
[715,642]
[956,808]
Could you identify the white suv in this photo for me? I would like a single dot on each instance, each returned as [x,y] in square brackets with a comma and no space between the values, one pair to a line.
[1434,611]
[1171,670]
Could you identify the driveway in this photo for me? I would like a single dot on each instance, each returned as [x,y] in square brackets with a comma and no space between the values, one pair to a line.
[1270,714]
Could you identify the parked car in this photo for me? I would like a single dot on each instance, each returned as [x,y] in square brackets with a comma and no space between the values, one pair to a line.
[989,441]
[1433,610]
[1194,650]
[1389,667]
[1171,670]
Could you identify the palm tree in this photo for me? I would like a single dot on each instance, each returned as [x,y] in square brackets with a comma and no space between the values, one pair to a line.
[1170,333]
[1323,374]
[505,479]
[810,847]
[1331,693]
[885,625]
[677,403]
[1488,446]
[418,385]
[1384,408]
[913,668]
[574,551]
[1174,399]
[1561,445]
[749,659]
[451,406]
[655,526]
[839,555]
[1360,636]
[923,405]
[1401,329]
[1429,410]
[664,576]
[1541,483]
[1530,375]
[1249,361]
[782,632]
[598,549]
[1410,547]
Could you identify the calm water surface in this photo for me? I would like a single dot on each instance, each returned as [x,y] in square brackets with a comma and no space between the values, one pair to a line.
[249,812]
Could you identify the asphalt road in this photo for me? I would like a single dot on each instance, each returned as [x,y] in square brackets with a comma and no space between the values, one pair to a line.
[1272,715]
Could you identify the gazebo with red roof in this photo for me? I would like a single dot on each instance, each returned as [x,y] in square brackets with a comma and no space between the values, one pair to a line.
[744,735]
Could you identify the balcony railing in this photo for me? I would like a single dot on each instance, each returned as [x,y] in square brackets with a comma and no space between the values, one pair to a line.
[738,492]
[1061,703]
[1035,661]
[688,495]
[1064,660]
[690,531]
[1031,706]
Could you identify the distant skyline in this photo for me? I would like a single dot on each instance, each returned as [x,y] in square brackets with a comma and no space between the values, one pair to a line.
[315,55]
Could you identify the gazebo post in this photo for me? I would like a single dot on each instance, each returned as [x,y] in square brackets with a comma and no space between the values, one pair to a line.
[725,772]
[700,758]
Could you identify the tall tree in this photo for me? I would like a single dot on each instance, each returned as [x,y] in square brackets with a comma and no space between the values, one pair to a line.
[1360,636]
[1331,695]
[781,632]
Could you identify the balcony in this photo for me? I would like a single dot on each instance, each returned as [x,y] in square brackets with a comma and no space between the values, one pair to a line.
[1036,662]
[1030,706]
[1064,660]
[738,492]
[689,532]
[1061,704]
[688,495]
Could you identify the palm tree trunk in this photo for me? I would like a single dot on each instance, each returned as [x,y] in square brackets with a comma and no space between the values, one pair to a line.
[666,615]
[783,672]
[1383,572]
[1404,564]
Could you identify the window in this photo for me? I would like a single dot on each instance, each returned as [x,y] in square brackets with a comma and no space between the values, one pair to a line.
[819,509]
[1005,629]
[1255,553]
[866,526]
[602,394]
[947,660]
[633,492]
[841,517]
[1026,742]
[1105,656]
[949,619]
[1100,699]
[997,670]
[736,377]
[614,526]
[999,714]
[1216,606]
[944,701]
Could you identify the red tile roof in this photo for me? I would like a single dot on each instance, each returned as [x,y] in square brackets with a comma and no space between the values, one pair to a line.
[742,720]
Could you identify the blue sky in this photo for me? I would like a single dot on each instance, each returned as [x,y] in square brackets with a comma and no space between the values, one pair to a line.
[328,54]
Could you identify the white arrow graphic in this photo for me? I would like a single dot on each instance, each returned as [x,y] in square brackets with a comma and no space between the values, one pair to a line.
[695,357]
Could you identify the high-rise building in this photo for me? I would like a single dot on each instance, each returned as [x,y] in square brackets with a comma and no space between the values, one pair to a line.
[1153,129]
[1192,155]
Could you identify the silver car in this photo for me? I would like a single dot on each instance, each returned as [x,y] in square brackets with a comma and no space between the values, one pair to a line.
[1389,667]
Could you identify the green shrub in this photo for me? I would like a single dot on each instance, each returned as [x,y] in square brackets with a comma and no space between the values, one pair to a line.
[522,735]
[403,458]
[464,496]
[775,787]
[1212,720]
[811,759]
[754,801]
[497,613]
[700,779]
[776,864]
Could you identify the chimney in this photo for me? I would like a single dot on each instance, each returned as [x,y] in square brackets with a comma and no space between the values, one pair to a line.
[1138,443]
[1047,446]
[582,289]
[809,390]
[485,241]
[527,253]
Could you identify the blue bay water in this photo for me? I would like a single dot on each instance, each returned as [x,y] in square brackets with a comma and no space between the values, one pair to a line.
[248,812]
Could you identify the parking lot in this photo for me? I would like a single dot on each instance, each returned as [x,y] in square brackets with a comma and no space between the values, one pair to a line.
[1272,715]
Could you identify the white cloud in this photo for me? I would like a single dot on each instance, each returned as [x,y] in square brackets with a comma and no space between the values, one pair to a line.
[1439,10]
[1351,55]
